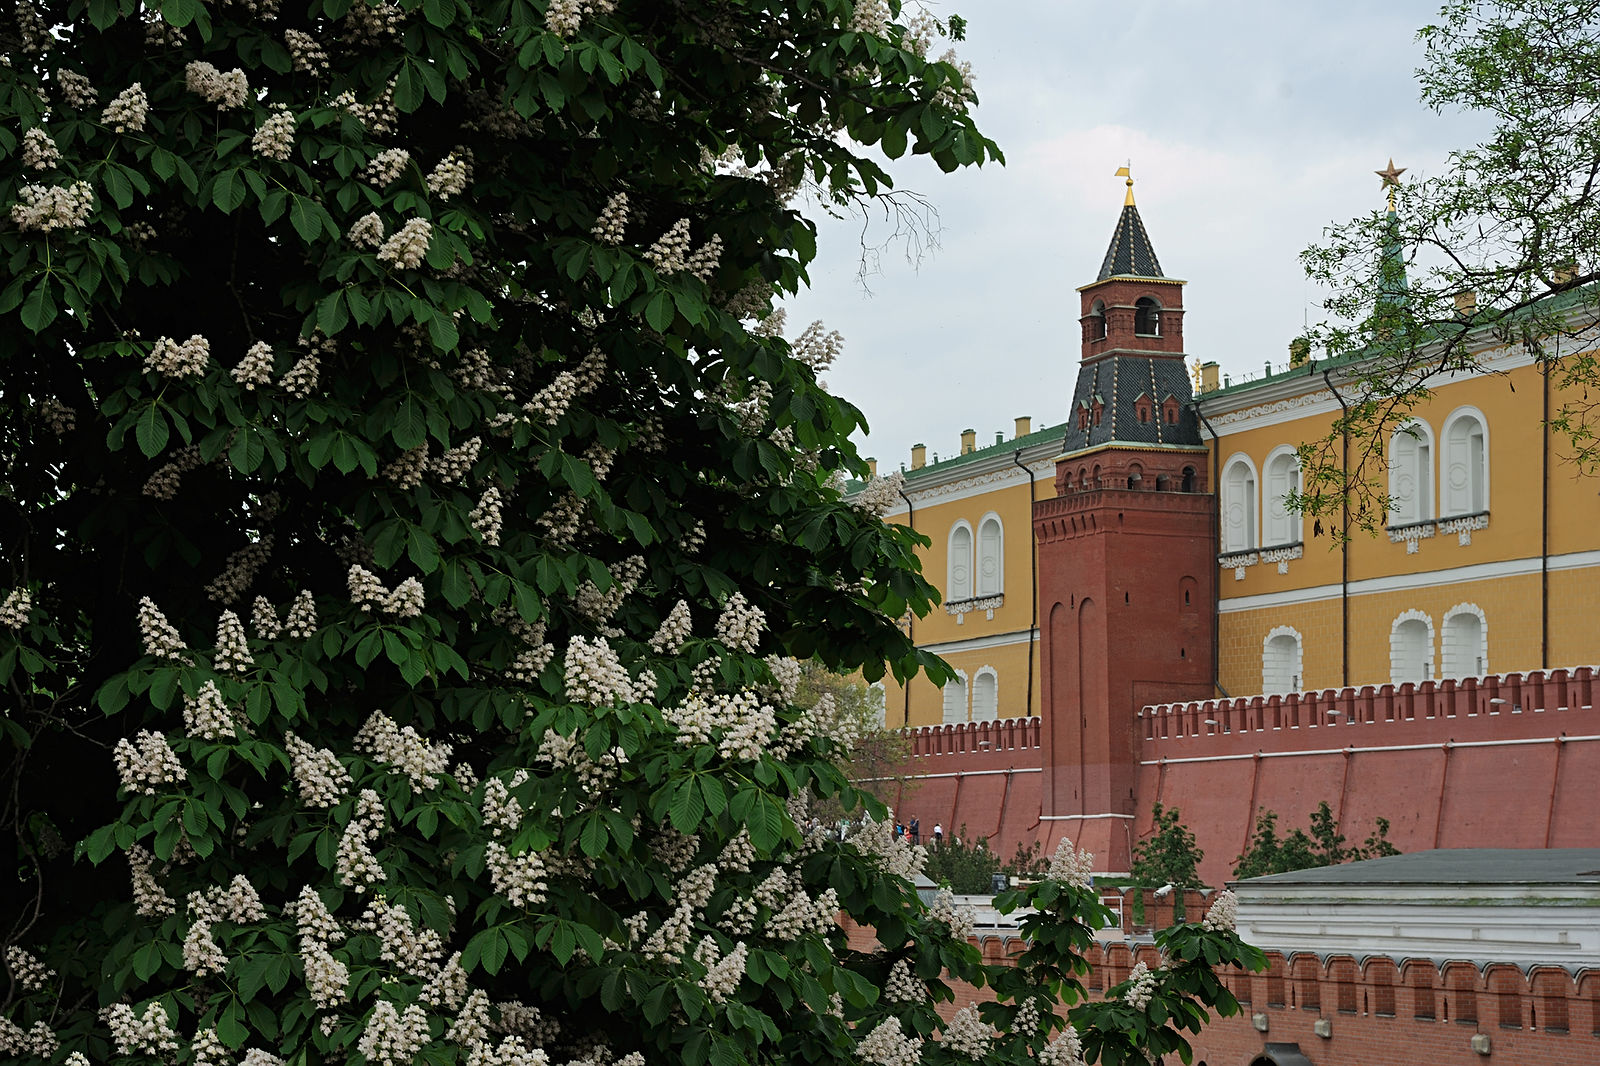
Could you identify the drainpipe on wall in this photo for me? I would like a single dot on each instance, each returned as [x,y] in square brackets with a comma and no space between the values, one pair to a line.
[1216,540]
[1033,559]
[1344,543]
[1544,520]
[911,624]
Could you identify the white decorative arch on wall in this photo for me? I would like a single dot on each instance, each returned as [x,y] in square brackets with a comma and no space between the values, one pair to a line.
[1464,463]
[878,698]
[1411,646]
[955,698]
[1282,661]
[991,556]
[1240,504]
[985,695]
[1280,476]
[1411,495]
[958,563]
[1465,637]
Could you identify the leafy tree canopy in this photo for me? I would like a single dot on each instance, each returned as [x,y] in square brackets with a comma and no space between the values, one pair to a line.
[1324,845]
[1499,248]
[1169,855]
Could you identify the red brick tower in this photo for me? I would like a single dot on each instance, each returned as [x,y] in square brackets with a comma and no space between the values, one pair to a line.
[1127,556]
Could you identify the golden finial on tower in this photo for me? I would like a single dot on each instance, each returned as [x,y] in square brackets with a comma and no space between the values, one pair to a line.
[1126,172]
[1391,179]
[1194,374]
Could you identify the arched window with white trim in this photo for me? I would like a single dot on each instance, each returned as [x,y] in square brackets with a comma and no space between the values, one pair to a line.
[1281,477]
[878,700]
[1282,654]
[958,584]
[1466,642]
[991,556]
[955,699]
[985,695]
[1411,474]
[1464,464]
[1411,648]
[1239,504]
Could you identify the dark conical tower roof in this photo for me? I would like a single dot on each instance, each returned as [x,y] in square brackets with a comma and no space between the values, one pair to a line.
[1131,252]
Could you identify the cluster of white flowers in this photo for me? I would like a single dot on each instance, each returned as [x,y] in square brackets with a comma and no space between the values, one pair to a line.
[256,366]
[147,764]
[448,987]
[46,208]
[1027,1019]
[486,518]
[415,949]
[552,401]
[150,900]
[307,54]
[723,972]
[501,811]
[520,878]
[816,348]
[567,752]
[1223,917]
[564,17]
[233,648]
[404,749]
[1072,866]
[302,620]
[703,263]
[738,854]
[176,360]
[919,34]
[451,175]
[613,221]
[241,903]
[264,619]
[275,137]
[76,89]
[903,986]
[456,463]
[149,1033]
[224,90]
[206,715]
[967,1034]
[408,247]
[36,37]
[870,16]
[387,166]
[599,606]
[748,724]
[393,1038]
[740,625]
[511,1051]
[1141,986]
[370,21]
[239,572]
[301,379]
[801,914]
[594,675]
[160,638]
[26,970]
[39,151]
[127,110]
[408,470]
[366,231]
[258,1057]
[37,1040]
[880,494]
[14,609]
[356,865]
[952,96]
[313,920]
[670,254]
[168,478]
[675,629]
[535,654]
[58,416]
[958,919]
[471,1025]
[161,35]
[888,1045]
[378,117]
[367,592]
[1064,1050]
[201,955]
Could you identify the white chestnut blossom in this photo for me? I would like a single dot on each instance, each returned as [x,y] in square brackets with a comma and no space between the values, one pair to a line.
[39,150]
[148,763]
[404,749]
[264,618]
[174,360]
[58,416]
[1027,1019]
[201,955]
[967,1035]
[47,208]
[302,621]
[520,878]
[150,900]
[501,811]
[456,463]
[207,1048]
[471,1025]
[275,137]
[366,231]
[740,625]
[449,178]
[675,629]
[233,647]
[149,1033]
[1141,985]
[314,922]
[35,31]
[415,949]
[903,986]
[354,862]
[610,226]
[1223,917]
[301,380]
[880,494]
[888,1045]
[393,1038]
[703,263]
[160,638]
[486,517]
[448,988]
[564,17]
[127,110]
[387,166]
[318,773]
[206,715]
[594,675]
[225,90]
[406,601]
[168,478]
[1064,1050]
[408,247]
[308,55]
[241,903]
[76,89]
[958,919]
[1072,866]
[256,366]
[14,609]
[670,253]
[27,971]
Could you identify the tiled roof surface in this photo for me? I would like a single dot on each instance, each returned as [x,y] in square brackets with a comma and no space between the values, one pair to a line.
[1117,382]
[1131,252]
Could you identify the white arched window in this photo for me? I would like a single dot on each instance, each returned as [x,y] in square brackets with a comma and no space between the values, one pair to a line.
[958,585]
[1411,648]
[1281,655]
[1466,642]
[1281,476]
[1464,464]
[1411,474]
[985,695]
[991,556]
[1239,505]
[955,699]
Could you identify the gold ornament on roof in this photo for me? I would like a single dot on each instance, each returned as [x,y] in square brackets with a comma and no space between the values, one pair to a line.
[1126,172]
[1391,179]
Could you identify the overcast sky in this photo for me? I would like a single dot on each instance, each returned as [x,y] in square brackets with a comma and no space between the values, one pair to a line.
[1250,127]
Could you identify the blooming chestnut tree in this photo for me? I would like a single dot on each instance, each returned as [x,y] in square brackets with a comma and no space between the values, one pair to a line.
[410,514]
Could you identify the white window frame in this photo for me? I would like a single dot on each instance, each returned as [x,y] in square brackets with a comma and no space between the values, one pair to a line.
[953,589]
[1273,509]
[1415,434]
[1398,675]
[1276,685]
[992,712]
[1447,459]
[957,707]
[1250,538]
[998,586]
[1477,659]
